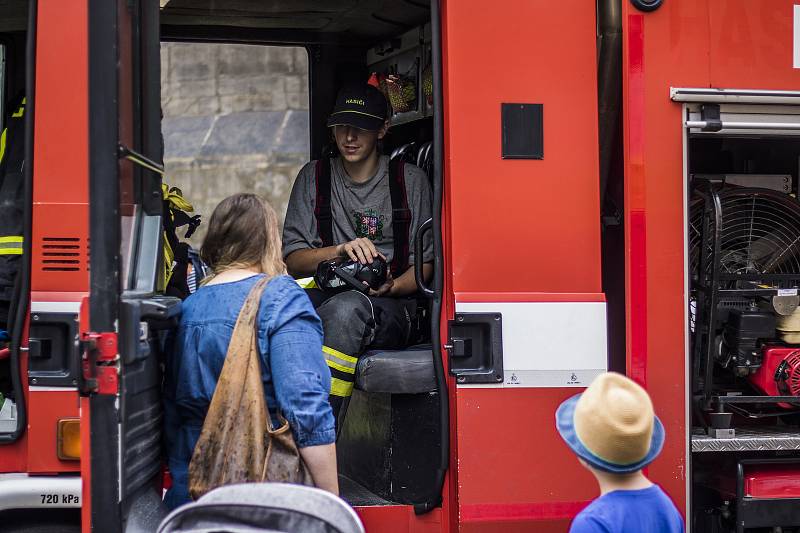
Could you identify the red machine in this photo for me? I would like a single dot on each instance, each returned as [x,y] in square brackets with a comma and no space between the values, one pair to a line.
[779,373]
[584,158]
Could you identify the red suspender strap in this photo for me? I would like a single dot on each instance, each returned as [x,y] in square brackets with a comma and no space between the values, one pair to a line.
[322,205]
[401,216]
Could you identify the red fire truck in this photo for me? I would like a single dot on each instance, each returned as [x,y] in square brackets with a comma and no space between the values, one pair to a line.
[615,188]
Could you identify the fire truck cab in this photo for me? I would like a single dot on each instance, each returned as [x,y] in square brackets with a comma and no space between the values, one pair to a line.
[585,159]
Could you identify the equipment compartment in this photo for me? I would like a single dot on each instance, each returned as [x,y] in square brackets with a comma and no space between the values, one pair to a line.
[407,57]
[743,262]
[744,271]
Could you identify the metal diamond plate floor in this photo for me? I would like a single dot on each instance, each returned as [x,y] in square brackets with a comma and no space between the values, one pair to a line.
[748,440]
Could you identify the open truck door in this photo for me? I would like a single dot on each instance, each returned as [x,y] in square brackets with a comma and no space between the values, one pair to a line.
[527,314]
[123,314]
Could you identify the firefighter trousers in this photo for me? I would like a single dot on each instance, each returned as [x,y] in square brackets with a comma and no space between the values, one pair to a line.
[353,323]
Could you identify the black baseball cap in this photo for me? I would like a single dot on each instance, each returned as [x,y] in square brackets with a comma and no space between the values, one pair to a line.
[359,105]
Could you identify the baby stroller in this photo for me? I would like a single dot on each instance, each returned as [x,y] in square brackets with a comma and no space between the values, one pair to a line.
[271,507]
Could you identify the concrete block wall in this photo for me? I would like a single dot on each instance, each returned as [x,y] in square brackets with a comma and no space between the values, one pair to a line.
[235,120]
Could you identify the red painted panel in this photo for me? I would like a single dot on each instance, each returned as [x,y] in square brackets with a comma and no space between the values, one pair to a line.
[637,355]
[634,199]
[510,453]
[517,526]
[399,519]
[57,296]
[61,159]
[62,98]
[666,48]
[522,225]
[772,481]
[44,410]
[60,248]
[751,45]
[499,518]
[515,512]
[479,297]
[518,230]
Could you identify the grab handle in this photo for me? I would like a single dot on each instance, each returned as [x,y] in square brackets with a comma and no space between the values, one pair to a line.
[418,262]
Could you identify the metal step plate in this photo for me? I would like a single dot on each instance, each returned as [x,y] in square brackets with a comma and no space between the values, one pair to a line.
[748,440]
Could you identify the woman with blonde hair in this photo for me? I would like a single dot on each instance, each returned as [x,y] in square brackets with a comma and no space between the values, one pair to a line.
[242,246]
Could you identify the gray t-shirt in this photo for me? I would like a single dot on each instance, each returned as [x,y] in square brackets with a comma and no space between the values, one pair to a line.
[358,209]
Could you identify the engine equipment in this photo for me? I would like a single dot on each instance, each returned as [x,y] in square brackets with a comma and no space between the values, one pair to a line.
[779,374]
[759,235]
[744,260]
[741,338]
[789,327]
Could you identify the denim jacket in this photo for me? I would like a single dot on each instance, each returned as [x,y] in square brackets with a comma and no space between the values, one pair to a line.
[296,378]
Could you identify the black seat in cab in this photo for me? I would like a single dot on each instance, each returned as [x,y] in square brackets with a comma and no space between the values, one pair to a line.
[407,371]
[390,443]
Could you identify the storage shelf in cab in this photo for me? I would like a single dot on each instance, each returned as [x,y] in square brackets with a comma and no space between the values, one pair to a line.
[410,55]
[748,440]
[410,116]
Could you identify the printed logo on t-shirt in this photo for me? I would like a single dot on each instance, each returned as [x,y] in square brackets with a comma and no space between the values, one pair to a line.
[369,224]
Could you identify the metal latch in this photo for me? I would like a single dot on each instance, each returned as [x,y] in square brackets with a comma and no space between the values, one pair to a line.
[99,363]
[459,347]
[711,115]
[475,347]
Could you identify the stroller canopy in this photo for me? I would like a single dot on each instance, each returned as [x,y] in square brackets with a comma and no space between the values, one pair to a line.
[273,507]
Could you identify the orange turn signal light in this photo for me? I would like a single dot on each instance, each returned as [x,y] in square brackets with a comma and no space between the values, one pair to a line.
[69,439]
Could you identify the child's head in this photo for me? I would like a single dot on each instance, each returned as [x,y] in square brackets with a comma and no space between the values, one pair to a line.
[611,427]
[243,233]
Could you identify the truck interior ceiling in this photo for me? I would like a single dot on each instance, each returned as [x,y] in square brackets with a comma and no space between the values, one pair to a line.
[743,274]
[246,92]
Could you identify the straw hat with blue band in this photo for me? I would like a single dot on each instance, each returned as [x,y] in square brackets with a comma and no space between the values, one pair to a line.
[359,105]
[612,425]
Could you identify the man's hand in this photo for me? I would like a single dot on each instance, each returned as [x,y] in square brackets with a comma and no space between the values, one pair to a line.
[384,289]
[362,250]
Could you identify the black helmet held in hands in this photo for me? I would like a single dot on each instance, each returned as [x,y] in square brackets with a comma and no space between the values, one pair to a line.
[336,275]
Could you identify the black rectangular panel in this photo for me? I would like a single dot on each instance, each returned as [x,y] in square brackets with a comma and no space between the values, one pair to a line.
[54,358]
[476,347]
[522,126]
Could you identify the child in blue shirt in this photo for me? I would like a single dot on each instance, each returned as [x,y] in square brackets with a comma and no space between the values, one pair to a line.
[613,430]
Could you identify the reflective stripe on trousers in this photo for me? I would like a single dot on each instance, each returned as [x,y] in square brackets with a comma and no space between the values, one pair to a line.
[343,371]
[307,283]
[11,245]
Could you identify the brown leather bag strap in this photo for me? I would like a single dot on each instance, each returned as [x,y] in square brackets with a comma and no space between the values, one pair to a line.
[246,329]
[244,339]
[231,447]
[238,443]
[245,323]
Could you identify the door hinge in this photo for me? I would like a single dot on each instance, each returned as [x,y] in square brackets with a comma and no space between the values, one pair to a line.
[99,363]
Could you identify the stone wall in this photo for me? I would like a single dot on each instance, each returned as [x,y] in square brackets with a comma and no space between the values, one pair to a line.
[235,120]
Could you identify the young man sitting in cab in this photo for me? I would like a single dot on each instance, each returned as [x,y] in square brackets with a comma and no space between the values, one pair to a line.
[360,206]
